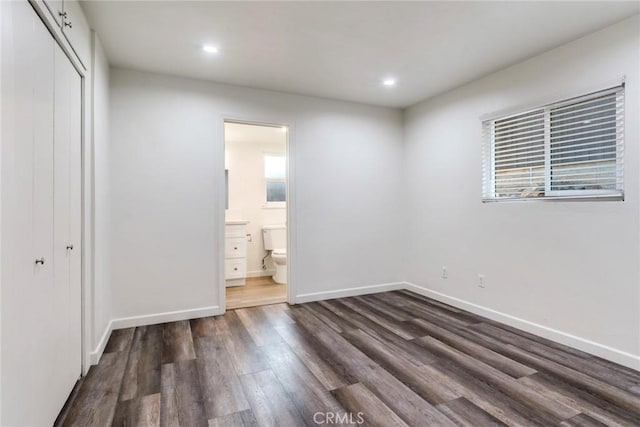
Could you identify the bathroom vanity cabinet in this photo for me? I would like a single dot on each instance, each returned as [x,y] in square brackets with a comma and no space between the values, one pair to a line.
[235,253]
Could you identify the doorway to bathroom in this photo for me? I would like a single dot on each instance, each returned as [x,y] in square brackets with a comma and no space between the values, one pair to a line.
[256,235]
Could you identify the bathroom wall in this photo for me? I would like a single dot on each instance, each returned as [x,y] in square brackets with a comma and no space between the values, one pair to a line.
[565,270]
[245,148]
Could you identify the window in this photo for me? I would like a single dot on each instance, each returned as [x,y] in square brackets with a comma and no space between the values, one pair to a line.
[570,149]
[275,176]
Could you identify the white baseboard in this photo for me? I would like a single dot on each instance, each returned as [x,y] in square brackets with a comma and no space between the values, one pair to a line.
[96,354]
[150,319]
[261,273]
[169,316]
[601,350]
[349,292]
[597,349]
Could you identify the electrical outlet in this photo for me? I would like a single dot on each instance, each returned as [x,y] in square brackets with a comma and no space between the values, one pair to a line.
[482,282]
[445,272]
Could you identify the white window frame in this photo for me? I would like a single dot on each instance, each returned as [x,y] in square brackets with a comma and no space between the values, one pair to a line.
[489,171]
[268,204]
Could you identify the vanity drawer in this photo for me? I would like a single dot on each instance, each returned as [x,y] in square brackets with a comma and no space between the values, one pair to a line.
[235,268]
[233,230]
[235,247]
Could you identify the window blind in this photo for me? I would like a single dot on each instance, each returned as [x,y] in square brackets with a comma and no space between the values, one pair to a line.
[569,149]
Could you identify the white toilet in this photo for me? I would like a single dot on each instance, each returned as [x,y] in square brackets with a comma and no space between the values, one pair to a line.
[275,240]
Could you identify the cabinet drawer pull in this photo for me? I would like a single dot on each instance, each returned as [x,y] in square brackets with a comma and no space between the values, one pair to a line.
[234,269]
[40,261]
[68,24]
[62,14]
[235,248]
[70,247]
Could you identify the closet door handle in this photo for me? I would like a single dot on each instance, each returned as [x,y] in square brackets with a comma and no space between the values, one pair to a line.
[68,24]
[40,261]
[62,14]
[70,247]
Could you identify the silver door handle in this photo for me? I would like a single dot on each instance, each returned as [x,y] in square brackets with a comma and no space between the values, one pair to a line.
[40,261]
[70,247]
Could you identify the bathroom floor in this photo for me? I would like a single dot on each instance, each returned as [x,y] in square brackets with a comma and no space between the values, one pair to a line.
[257,291]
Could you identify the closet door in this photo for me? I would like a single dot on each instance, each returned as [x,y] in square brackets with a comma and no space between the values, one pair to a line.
[69,84]
[75,222]
[67,124]
[40,301]
[30,394]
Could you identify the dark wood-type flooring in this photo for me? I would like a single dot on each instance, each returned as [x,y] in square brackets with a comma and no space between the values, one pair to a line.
[389,359]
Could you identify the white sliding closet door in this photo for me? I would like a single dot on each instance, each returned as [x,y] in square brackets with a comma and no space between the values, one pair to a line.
[75,221]
[27,220]
[40,300]
[67,138]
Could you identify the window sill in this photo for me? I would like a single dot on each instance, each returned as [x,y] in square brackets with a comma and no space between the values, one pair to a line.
[610,197]
[275,205]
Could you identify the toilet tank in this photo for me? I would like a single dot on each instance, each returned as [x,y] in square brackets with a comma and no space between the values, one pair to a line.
[274,237]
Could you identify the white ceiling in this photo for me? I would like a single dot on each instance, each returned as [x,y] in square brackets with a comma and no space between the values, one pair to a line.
[341,50]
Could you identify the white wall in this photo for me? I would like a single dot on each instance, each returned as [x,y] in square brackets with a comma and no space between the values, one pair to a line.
[166,172]
[102,239]
[247,195]
[572,267]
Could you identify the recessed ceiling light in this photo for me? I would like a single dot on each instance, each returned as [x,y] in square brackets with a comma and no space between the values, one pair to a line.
[389,82]
[210,49]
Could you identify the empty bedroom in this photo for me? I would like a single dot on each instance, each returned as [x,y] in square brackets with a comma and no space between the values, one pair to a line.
[316,213]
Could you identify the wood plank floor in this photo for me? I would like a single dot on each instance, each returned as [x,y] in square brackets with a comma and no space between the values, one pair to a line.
[257,291]
[390,359]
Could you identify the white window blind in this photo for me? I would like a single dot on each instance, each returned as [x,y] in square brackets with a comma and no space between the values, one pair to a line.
[570,149]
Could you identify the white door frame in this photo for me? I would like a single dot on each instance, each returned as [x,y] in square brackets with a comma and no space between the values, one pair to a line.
[290,205]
